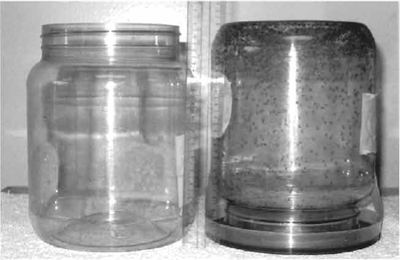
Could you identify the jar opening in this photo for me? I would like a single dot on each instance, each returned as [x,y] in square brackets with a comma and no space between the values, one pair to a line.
[65,28]
[115,41]
[124,34]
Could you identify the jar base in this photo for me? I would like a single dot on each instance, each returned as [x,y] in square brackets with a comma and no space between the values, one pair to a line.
[116,230]
[296,232]
[96,234]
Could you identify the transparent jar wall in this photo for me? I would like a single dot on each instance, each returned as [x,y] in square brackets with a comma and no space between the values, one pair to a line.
[303,96]
[305,134]
[107,129]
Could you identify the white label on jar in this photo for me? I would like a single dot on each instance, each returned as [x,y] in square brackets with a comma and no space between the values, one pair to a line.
[368,124]
[222,104]
[179,157]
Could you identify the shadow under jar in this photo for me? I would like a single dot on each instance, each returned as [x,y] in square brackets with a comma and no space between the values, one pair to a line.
[294,170]
[106,124]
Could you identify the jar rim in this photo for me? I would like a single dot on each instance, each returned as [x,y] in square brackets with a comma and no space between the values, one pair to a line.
[65,28]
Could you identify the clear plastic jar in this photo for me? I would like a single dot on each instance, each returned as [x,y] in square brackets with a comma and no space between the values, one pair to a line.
[106,137]
[294,171]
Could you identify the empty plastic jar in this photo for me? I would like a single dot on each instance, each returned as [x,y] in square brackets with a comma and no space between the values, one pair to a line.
[294,170]
[106,124]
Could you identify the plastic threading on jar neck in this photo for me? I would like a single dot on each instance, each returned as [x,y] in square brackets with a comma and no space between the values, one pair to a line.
[111,42]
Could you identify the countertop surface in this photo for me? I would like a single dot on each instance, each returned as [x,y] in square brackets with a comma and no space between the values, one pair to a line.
[18,240]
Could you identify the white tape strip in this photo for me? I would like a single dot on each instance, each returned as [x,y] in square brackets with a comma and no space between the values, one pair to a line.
[180,153]
[368,124]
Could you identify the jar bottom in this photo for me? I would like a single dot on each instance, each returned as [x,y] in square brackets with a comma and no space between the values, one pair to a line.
[299,231]
[108,237]
[108,231]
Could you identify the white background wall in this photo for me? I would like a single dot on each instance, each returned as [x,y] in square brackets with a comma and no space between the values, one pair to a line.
[20,50]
